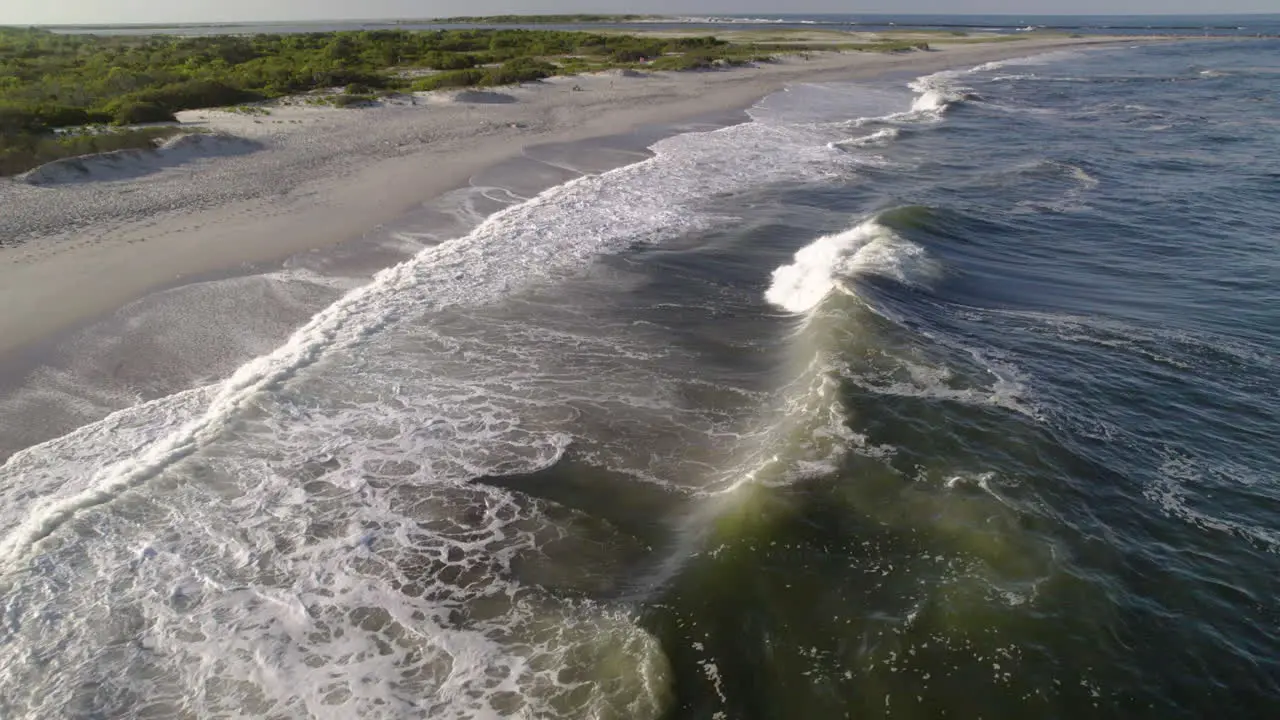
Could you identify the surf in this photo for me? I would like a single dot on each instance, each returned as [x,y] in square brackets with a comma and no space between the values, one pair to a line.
[868,248]
[173,485]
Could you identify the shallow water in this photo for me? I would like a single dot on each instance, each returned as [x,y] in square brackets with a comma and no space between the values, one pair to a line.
[947,396]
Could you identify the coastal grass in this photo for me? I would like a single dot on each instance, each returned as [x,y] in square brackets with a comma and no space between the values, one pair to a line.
[22,152]
[50,82]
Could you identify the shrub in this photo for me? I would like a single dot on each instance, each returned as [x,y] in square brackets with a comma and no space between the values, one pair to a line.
[134,112]
[19,153]
[15,119]
[518,71]
[450,61]
[62,116]
[451,79]
[194,94]
[683,62]
[628,56]
[341,77]
[573,66]
[351,99]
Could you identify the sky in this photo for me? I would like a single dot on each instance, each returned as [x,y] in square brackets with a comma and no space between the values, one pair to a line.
[29,12]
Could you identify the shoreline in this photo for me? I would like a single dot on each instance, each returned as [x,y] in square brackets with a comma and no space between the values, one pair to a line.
[59,284]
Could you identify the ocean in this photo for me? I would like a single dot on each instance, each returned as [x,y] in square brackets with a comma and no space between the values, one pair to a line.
[1206,24]
[942,396]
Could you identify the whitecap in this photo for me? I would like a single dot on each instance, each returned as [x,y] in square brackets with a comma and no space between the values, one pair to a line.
[868,248]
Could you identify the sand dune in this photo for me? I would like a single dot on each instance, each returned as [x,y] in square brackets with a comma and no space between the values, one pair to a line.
[129,164]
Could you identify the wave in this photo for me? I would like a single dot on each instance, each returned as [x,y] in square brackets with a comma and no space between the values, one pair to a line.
[325,489]
[878,138]
[611,211]
[1047,58]
[330,481]
[869,248]
[943,90]
[934,97]
[821,280]
[1180,484]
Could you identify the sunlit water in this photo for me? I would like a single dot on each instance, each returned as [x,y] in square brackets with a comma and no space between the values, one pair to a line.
[953,396]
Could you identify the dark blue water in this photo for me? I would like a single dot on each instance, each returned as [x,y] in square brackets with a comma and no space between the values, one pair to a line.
[1074,355]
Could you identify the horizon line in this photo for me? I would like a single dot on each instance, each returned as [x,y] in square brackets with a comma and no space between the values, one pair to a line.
[233,23]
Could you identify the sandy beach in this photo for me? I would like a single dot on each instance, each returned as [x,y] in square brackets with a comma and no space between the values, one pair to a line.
[96,264]
[878,381]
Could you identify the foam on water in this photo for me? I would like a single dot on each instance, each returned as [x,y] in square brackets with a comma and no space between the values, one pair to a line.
[879,138]
[937,93]
[815,103]
[1041,59]
[869,248]
[304,538]
[1177,488]
[470,270]
[639,202]
[940,91]
[273,537]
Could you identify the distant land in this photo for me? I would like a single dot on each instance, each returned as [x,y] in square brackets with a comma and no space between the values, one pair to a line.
[1231,23]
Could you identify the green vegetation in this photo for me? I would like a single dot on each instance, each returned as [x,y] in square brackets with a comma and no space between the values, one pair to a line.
[351,100]
[50,81]
[542,19]
[699,61]
[19,153]
[510,72]
[888,46]
[1018,37]
[255,110]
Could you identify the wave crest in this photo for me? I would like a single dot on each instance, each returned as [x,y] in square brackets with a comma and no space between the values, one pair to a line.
[869,248]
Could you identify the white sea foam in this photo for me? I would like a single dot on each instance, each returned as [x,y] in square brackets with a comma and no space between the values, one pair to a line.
[1040,59]
[937,93]
[303,538]
[564,226]
[1183,480]
[805,103]
[867,249]
[878,138]
[942,90]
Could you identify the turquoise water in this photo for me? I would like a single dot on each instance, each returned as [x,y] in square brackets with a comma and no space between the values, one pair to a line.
[950,396]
